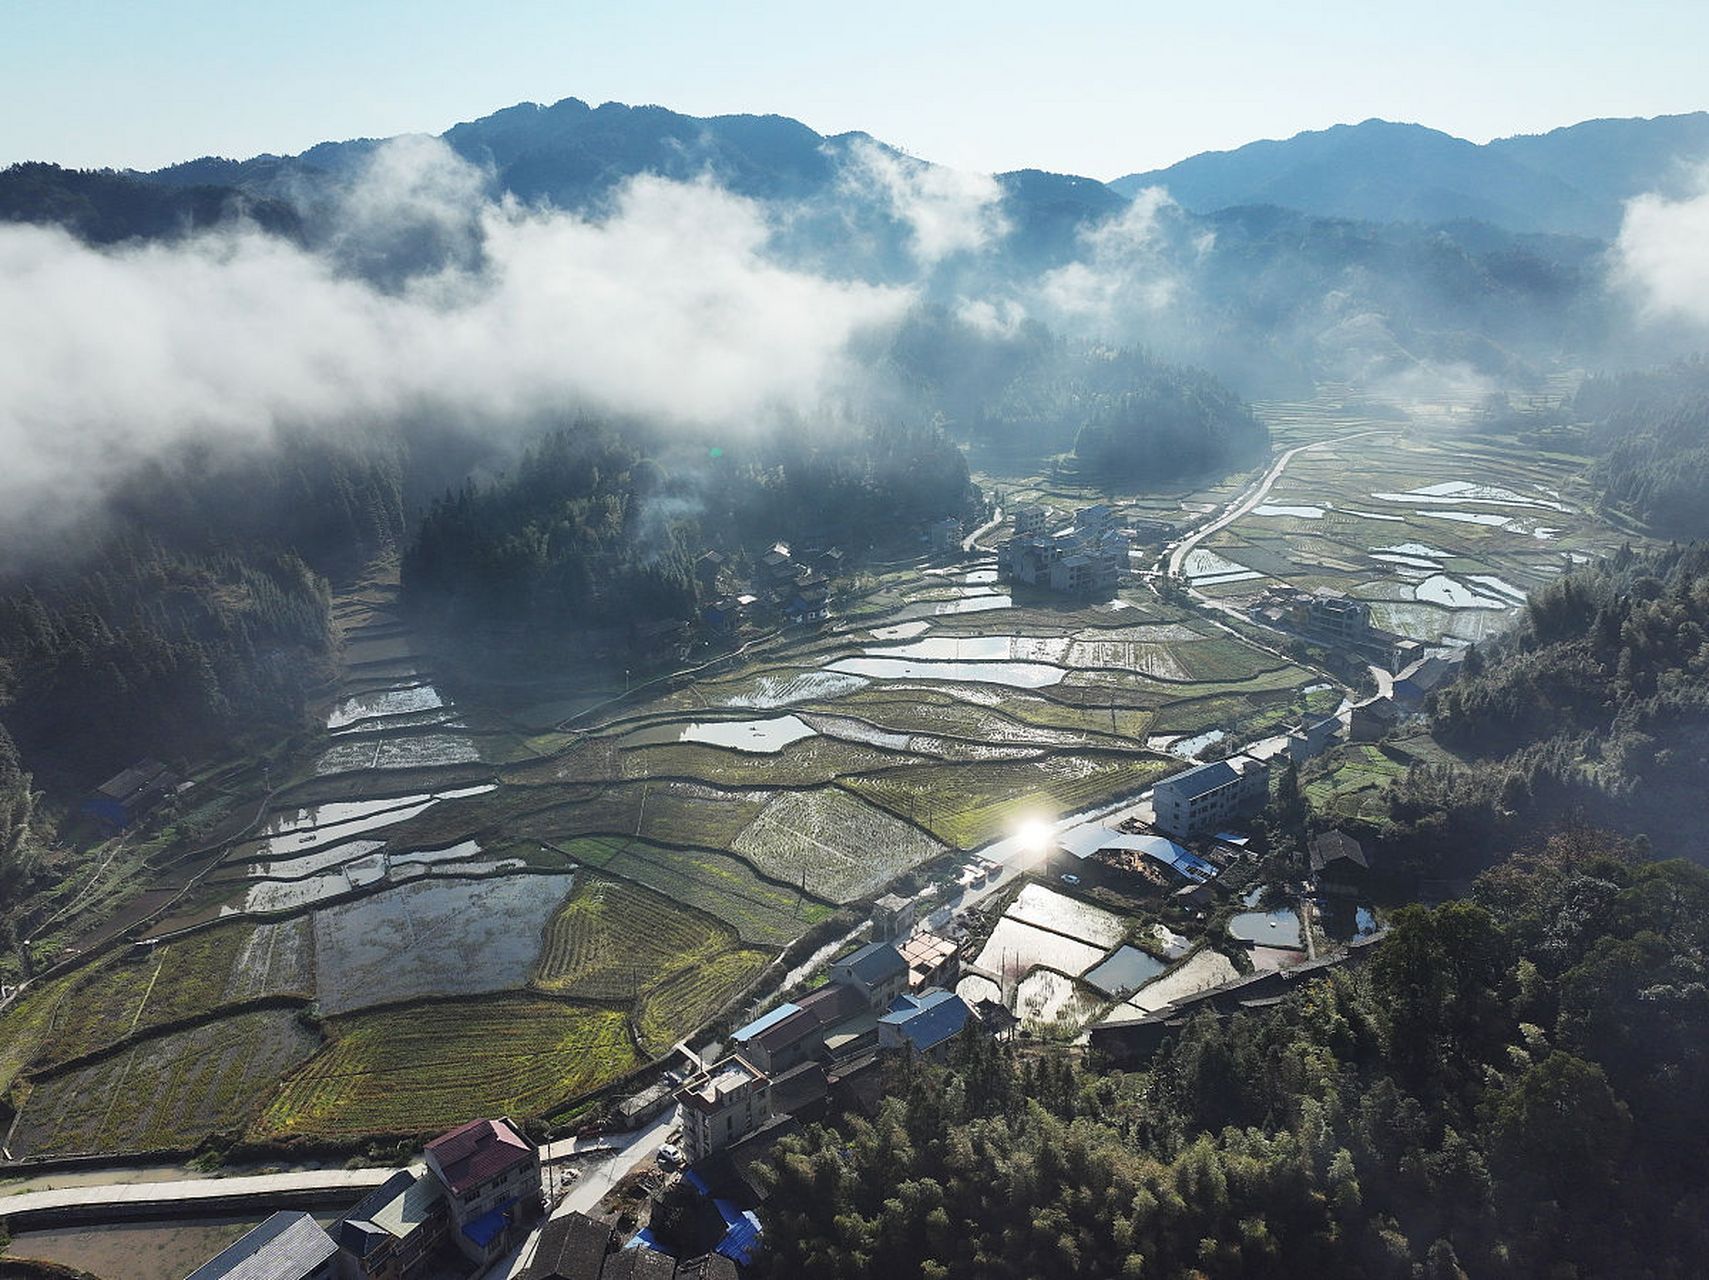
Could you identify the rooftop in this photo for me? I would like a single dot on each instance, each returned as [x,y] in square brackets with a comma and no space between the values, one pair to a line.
[927,1019]
[766,1020]
[1336,846]
[572,1247]
[477,1152]
[396,1207]
[1202,779]
[720,1083]
[875,962]
[288,1246]
[140,776]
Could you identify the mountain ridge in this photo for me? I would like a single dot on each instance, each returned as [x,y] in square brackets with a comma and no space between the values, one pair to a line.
[1572,180]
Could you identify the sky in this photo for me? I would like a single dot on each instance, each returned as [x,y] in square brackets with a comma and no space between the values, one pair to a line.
[1101,89]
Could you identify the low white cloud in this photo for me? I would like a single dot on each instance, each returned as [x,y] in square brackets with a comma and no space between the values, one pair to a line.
[1124,271]
[668,307]
[946,211]
[1662,253]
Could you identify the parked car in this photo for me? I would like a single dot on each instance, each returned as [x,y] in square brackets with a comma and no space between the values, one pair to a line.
[670,1155]
[1069,878]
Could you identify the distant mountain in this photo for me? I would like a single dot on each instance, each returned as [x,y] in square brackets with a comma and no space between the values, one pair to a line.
[1571,181]
[1360,253]
[106,208]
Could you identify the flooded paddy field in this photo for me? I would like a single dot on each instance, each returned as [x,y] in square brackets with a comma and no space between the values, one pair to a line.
[1444,534]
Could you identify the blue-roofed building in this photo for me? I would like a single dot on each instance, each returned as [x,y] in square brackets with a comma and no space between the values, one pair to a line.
[924,1023]
[288,1246]
[761,1023]
[1203,798]
[877,971]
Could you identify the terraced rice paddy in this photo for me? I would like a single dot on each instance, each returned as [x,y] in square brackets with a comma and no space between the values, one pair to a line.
[1393,519]
[610,940]
[164,1093]
[427,1067]
[619,866]
[1053,1004]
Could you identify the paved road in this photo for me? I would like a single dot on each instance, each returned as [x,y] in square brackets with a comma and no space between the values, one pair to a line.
[595,1182]
[967,543]
[107,1202]
[1252,497]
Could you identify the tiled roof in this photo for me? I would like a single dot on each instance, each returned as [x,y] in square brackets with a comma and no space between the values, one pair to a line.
[875,962]
[833,1003]
[572,1247]
[477,1152]
[288,1246]
[797,1026]
[1336,846]
[1202,779]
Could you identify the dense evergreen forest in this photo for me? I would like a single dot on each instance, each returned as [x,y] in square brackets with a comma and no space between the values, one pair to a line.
[1595,705]
[108,208]
[194,611]
[1125,414]
[592,530]
[1652,432]
[1516,1085]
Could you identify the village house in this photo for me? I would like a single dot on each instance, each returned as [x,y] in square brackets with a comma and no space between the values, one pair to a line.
[288,1246]
[1031,518]
[1085,558]
[892,918]
[393,1230]
[723,1104]
[1339,863]
[122,799]
[1372,719]
[780,1038]
[574,1246]
[924,1024]
[932,961]
[1206,797]
[491,1178]
[945,535]
[877,971]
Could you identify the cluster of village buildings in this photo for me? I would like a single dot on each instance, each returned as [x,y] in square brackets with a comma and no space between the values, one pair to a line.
[1084,557]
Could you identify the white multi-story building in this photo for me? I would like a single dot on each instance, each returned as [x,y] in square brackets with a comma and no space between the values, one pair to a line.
[1209,796]
[723,1104]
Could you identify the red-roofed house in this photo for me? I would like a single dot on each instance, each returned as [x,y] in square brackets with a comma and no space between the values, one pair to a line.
[491,1175]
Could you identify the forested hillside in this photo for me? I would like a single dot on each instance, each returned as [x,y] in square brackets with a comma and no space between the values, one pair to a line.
[194,612]
[1595,705]
[1652,430]
[1129,417]
[1514,1087]
[107,208]
[591,529]
[156,652]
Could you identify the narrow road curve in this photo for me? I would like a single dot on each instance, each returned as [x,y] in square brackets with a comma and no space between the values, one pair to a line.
[1250,499]
[967,543]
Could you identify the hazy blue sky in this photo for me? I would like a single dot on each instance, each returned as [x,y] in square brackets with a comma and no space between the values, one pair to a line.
[1094,88]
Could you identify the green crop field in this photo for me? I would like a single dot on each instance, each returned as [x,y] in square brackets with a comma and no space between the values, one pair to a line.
[416,1069]
[726,887]
[968,805]
[165,1093]
[678,1004]
[611,939]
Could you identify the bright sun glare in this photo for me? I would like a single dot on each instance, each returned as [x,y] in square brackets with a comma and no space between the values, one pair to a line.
[1035,835]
